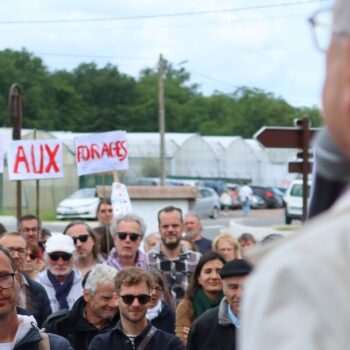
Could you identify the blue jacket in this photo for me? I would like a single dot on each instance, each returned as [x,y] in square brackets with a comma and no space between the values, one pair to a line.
[116,339]
[165,320]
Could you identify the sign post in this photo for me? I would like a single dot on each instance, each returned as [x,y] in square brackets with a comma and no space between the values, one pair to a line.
[15,110]
[292,137]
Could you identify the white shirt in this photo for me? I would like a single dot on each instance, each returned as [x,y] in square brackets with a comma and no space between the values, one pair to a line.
[245,193]
[298,297]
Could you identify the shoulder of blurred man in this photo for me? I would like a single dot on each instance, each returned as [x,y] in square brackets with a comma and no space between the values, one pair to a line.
[204,245]
[314,264]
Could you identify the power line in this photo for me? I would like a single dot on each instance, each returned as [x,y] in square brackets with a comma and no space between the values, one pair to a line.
[166,15]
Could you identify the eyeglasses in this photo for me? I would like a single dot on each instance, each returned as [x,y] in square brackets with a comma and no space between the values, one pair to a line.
[55,257]
[7,280]
[103,211]
[133,236]
[30,229]
[81,238]
[128,299]
[323,28]
[19,251]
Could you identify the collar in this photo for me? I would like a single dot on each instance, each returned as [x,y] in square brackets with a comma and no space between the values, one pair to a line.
[233,317]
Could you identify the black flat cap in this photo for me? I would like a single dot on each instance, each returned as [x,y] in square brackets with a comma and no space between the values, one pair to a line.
[239,267]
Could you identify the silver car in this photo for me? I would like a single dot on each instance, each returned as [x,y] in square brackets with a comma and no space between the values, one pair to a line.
[208,203]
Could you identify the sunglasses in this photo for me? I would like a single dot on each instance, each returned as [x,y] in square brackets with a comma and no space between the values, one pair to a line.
[81,238]
[55,257]
[133,236]
[128,299]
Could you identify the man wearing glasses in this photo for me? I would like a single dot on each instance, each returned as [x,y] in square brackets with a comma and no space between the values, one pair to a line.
[128,232]
[133,331]
[86,249]
[29,226]
[61,281]
[32,296]
[20,331]
[298,296]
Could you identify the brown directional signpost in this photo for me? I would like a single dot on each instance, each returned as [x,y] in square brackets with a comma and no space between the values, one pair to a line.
[292,137]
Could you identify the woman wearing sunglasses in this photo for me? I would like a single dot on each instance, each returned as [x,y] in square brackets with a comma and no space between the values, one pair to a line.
[203,293]
[161,306]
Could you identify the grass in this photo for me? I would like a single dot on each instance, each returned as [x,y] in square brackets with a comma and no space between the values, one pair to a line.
[45,215]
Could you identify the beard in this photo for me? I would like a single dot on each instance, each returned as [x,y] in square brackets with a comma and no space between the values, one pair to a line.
[172,245]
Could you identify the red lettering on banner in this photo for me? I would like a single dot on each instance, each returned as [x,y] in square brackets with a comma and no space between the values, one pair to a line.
[94,151]
[52,161]
[105,149]
[115,149]
[41,160]
[20,157]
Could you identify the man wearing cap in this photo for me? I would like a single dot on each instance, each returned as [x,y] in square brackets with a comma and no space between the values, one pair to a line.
[61,281]
[216,328]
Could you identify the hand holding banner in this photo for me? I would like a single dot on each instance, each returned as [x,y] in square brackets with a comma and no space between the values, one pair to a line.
[98,153]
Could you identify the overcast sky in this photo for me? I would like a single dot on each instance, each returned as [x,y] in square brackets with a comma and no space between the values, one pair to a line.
[256,43]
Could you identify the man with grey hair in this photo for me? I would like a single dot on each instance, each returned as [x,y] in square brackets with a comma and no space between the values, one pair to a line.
[61,281]
[128,231]
[193,231]
[93,313]
[298,296]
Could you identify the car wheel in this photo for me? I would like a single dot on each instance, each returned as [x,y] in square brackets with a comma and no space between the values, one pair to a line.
[288,220]
[215,213]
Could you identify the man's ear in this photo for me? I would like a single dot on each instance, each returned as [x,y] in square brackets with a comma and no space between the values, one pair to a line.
[86,295]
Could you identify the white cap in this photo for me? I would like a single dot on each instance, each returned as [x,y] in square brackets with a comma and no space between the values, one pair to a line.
[60,243]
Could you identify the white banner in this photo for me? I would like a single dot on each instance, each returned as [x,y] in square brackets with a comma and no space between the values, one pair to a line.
[120,200]
[35,159]
[1,157]
[98,153]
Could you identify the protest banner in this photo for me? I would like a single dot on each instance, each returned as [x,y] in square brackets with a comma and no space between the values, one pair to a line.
[98,153]
[35,159]
[120,200]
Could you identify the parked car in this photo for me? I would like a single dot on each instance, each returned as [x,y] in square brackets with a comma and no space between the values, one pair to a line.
[256,202]
[208,203]
[80,204]
[294,201]
[234,191]
[272,199]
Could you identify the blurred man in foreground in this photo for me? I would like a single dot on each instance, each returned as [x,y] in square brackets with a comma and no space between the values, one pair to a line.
[298,296]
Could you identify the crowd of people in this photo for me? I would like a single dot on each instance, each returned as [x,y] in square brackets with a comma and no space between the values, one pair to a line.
[89,288]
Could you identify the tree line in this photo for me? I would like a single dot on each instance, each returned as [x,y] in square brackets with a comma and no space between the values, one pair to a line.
[94,99]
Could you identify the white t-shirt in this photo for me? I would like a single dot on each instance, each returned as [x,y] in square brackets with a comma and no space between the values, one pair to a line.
[6,346]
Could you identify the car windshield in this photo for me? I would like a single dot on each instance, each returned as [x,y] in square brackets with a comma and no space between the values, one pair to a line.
[83,193]
[297,191]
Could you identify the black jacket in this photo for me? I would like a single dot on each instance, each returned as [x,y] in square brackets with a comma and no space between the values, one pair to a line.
[74,326]
[165,320]
[116,339]
[213,330]
[39,300]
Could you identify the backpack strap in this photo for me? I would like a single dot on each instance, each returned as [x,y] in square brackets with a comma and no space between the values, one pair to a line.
[147,338]
[44,343]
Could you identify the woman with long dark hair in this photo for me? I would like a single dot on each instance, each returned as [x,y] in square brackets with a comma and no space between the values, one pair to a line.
[203,293]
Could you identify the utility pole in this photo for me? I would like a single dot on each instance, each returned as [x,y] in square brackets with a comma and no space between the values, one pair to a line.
[162,165]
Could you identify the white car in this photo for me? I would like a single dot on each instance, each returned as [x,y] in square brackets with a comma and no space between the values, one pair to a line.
[293,199]
[80,204]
